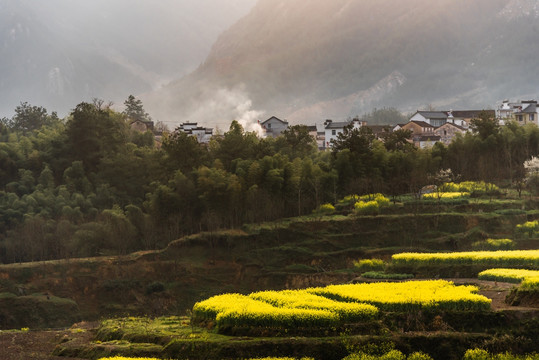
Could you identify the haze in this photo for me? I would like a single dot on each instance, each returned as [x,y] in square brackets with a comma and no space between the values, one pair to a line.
[59,53]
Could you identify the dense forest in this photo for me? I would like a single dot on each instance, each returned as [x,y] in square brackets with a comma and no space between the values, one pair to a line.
[89,185]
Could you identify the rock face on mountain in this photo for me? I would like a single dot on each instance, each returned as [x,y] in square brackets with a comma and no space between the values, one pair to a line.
[310,60]
[57,53]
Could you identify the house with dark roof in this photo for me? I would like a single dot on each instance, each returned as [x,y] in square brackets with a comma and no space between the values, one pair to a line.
[202,134]
[274,126]
[463,118]
[448,131]
[523,112]
[422,133]
[426,141]
[332,129]
[527,113]
[317,132]
[379,130]
[418,128]
[434,118]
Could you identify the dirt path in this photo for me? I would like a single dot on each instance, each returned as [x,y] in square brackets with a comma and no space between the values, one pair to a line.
[40,344]
[494,290]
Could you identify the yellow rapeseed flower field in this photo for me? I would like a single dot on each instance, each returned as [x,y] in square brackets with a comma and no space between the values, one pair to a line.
[336,304]
[126,358]
[410,295]
[302,299]
[446,195]
[506,258]
[529,279]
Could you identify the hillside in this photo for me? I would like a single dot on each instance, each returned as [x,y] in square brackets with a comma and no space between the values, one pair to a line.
[58,53]
[290,254]
[307,61]
[294,253]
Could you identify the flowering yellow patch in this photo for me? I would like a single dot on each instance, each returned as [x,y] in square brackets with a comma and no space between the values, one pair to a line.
[302,299]
[126,358]
[280,358]
[410,295]
[446,195]
[520,258]
[528,278]
[336,304]
[241,310]
[470,186]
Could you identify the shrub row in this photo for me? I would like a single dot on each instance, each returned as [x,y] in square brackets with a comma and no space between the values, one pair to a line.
[529,279]
[517,258]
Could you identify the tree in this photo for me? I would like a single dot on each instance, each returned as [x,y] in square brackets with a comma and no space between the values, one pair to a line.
[94,133]
[134,109]
[184,151]
[398,140]
[532,174]
[354,158]
[296,141]
[485,125]
[235,144]
[384,116]
[29,118]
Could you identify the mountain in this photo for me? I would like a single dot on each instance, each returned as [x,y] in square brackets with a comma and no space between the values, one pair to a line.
[311,60]
[57,53]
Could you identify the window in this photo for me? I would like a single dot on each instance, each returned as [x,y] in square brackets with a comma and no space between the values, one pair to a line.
[333,132]
[519,117]
[269,125]
[532,117]
[445,132]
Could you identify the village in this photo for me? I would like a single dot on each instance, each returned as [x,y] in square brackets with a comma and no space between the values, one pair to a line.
[427,127]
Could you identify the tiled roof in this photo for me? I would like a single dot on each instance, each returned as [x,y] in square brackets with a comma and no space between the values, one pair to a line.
[274,118]
[530,109]
[422,123]
[337,125]
[433,114]
[452,124]
[378,129]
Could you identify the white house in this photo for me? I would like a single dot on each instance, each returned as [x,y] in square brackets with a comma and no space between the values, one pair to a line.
[523,112]
[333,129]
[434,118]
[274,126]
[202,134]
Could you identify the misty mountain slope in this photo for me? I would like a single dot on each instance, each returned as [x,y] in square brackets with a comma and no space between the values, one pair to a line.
[58,53]
[296,58]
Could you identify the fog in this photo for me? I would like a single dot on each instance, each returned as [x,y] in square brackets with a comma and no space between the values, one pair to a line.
[58,53]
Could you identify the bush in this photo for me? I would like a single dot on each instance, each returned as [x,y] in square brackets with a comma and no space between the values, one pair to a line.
[390,355]
[510,212]
[381,275]
[476,354]
[419,356]
[371,204]
[528,229]
[446,195]
[494,244]
[348,200]
[369,265]
[325,209]
[480,354]
[367,208]
[154,287]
